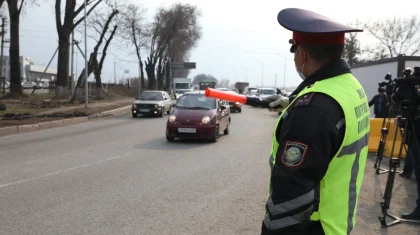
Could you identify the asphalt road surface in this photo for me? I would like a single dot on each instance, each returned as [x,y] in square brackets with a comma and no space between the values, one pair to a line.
[121,176]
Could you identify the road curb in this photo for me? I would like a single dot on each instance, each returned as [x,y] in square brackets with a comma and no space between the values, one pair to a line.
[10,130]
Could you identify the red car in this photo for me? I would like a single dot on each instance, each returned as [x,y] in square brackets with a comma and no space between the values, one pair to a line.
[196,116]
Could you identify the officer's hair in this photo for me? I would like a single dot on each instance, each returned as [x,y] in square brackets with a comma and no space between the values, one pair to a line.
[324,52]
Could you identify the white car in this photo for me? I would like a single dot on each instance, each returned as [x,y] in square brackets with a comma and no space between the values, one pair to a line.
[152,103]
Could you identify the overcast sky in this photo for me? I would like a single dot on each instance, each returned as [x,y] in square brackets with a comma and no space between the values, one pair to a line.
[236,34]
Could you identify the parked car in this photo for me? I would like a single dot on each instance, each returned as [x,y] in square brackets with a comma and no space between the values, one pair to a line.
[248,89]
[264,93]
[235,106]
[223,89]
[180,92]
[152,103]
[252,93]
[196,116]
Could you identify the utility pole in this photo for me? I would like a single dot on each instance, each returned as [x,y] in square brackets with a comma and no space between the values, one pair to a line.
[275,80]
[3,33]
[72,63]
[86,60]
[115,73]
[139,64]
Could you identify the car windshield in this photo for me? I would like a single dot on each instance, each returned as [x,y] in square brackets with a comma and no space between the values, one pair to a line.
[268,92]
[150,96]
[196,101]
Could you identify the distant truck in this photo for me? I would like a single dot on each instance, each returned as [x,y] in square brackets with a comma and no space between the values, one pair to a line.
[241,86]
[204,85]
[182,84]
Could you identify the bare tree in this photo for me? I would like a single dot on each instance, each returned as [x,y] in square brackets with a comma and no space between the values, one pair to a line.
[397,35]
[98,70]
[352,50]
[204,78]
[179,22]
[64,29]
[100,23]
[372,53]
[134,32]
[15,8]
[224,83]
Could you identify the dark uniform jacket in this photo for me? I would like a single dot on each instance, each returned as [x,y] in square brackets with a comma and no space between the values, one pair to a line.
[313,123]
[380,106]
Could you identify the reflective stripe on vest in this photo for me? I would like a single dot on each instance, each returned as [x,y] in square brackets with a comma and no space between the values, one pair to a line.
[339,189]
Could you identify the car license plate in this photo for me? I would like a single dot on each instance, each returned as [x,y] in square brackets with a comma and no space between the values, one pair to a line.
[187,130]
[144,110]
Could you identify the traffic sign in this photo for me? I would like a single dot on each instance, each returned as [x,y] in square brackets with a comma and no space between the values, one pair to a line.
[183,65]
[189,65]
[177,65]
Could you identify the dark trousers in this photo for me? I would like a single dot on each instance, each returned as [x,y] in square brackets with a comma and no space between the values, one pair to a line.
[413,162]
[309,228]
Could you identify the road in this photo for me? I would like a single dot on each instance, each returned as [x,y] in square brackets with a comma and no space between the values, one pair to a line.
[121,176]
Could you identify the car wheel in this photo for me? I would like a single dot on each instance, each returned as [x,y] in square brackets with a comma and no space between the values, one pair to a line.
[216,134]
[134,115]
[226,131]
[239,110]
[162,113]
[170,139]
[169,111]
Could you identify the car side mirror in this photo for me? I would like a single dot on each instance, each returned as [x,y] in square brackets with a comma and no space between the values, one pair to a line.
[165,98]
[222,107]
[173,105]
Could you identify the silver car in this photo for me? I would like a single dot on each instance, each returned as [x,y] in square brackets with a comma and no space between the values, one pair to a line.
[155,103]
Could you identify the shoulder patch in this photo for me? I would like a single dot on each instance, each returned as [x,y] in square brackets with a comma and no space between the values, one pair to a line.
[294,153]
[304,100]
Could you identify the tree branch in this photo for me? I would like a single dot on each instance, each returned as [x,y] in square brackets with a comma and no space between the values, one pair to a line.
[87,14]
[21,5]
[104,50]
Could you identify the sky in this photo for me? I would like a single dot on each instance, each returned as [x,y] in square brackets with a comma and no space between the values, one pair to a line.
[242,40]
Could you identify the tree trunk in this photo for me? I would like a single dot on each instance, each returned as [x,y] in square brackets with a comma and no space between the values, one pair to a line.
[168,75]
[63,66]
[143,84]
[92,63]
[14,52]
[159,74]
[98,84]
[151,77]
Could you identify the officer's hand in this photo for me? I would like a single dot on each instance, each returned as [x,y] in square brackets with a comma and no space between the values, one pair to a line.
[282,101]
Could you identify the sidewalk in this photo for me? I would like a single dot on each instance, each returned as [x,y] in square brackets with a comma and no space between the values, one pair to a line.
[91,106]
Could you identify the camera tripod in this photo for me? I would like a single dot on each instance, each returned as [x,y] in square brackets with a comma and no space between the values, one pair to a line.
[394,163]
[381,147]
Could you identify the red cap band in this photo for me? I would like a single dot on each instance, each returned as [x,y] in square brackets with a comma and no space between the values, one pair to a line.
[319,38]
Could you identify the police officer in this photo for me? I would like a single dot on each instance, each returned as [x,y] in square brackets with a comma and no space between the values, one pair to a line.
[320,143]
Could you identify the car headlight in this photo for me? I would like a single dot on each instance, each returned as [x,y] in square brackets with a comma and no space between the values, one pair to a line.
[237,103]
[205,119]
[172,118]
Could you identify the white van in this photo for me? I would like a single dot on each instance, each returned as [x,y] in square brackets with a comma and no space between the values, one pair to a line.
[248,89]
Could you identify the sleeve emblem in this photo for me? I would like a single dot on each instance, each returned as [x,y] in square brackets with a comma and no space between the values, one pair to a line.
[294,153]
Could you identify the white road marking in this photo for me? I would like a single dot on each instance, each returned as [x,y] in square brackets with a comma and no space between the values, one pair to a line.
[65,170]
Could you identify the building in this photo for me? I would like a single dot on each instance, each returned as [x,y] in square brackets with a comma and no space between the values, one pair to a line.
[371,73]
[29,71]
